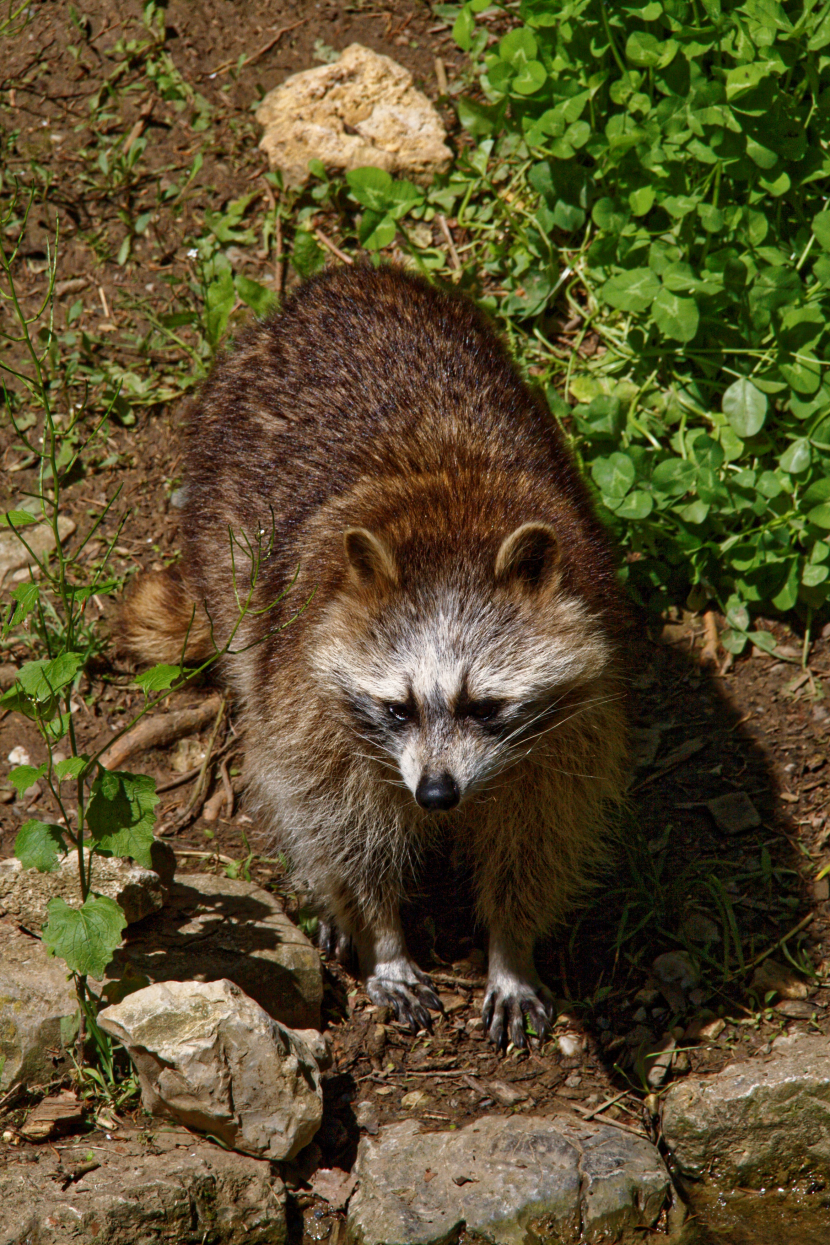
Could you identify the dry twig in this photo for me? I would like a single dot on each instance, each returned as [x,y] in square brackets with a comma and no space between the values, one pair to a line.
[329,245]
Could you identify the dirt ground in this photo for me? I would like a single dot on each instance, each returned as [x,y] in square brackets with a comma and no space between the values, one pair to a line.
[758,726]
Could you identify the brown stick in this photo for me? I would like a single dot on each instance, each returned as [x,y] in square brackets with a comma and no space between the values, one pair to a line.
[138,129]
[228,786]
[329,245]
[455,262]
[709,655]
[156,731]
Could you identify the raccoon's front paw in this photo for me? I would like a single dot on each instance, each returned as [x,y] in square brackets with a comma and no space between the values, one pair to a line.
[514,1008]
[410,993]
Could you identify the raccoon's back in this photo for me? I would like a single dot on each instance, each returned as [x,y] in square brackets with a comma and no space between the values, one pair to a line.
[370,376]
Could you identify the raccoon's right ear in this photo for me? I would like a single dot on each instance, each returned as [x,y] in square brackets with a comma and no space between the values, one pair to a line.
[528,556]
[370,561]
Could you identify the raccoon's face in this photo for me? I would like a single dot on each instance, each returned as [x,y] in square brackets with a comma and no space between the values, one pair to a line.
[451,688]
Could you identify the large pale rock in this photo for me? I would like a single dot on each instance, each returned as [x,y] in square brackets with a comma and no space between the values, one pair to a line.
[755,1124]
[211,1058]
[177,1188]
[510,1180]
[35,997]
[24,893]
[40,540]
[214,928]
[361,110]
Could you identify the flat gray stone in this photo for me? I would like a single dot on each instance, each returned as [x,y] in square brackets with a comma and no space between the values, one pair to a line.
[761,1123]
[177,1188]
[211,1058]
[510,1180]
[213,928]
[734,813]
[35,997]
[24,893]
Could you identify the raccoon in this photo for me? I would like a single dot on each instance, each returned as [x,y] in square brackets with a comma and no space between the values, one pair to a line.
[432,648]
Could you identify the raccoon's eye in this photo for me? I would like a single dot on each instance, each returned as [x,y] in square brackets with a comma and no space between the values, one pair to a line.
[482,710]
[401,712]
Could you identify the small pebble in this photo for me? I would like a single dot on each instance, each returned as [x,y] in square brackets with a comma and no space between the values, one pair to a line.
[570,1044]
[19,756]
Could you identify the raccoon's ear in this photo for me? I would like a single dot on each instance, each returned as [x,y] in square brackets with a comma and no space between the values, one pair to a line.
[528,556]
[370,560]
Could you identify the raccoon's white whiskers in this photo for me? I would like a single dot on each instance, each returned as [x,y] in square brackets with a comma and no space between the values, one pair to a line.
[367,756]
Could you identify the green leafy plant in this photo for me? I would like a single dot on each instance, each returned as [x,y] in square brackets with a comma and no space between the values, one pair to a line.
[98,812]
[663,167]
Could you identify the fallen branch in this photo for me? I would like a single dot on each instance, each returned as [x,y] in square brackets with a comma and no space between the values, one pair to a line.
[155,732]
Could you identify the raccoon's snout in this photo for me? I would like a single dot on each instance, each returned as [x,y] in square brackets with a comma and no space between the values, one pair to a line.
[437,791]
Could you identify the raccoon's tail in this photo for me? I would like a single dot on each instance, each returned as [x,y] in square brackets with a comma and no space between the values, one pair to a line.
[161,621]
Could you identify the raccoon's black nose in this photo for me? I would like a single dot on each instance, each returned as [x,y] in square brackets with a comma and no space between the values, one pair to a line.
[437,791]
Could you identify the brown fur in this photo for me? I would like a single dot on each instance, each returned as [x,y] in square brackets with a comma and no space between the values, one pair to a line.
[161,621]
[374,451]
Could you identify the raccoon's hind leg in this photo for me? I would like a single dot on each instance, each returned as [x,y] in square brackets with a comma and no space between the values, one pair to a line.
[392,979]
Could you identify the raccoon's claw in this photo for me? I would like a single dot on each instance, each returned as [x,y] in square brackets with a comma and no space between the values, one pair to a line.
[510,1013]
[411,1000]
[334,944]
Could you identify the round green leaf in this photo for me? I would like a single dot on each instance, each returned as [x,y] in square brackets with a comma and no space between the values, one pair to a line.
[707,453]
[820,515]
[802,372]
[819,491]
[643,49]
[614,475]
[530,79]
[745,407]
[797,457]
[788,595]
[633,290]
[710,217]
[370,186]
[637,505]
[815,574]
[734,641]
[518,46]
[821,228]
[695,512]
[676,317]
[674,476]
[641,200]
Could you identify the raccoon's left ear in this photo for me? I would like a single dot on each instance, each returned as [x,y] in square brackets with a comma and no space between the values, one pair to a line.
[528,556]
[370,560]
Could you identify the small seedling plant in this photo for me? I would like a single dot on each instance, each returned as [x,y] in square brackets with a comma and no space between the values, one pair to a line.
[98,812]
